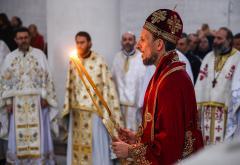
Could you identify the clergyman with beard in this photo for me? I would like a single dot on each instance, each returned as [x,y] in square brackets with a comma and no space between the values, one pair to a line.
[28,104]
[88,139]
[213,88]
[128,73]
[168,131]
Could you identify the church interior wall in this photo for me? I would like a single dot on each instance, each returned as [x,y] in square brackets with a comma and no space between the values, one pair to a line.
[106,20]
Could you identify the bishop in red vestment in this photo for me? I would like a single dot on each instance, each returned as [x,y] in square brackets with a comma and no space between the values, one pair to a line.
[169,130]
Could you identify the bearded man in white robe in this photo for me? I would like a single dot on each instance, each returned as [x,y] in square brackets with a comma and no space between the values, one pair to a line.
[88,139]
[28,103]
[214,87]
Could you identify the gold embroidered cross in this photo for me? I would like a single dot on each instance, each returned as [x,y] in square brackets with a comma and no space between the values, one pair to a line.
[158,16]
[174,24]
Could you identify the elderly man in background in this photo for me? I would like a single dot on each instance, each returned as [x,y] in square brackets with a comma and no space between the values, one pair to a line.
[128,73]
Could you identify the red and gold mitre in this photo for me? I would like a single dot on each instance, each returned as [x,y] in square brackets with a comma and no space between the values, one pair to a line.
[166,24]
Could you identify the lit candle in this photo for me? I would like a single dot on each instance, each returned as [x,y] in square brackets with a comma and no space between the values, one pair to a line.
[109,123]
[81,69]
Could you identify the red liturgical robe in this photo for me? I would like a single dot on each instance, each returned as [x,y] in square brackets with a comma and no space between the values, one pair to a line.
[169,129]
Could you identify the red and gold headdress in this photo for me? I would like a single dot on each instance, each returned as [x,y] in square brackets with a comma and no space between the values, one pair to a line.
[166,24]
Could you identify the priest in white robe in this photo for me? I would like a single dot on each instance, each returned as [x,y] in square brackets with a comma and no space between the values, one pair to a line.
[3,143]
[27,104]
[3,51]
[214,88]
[128,73]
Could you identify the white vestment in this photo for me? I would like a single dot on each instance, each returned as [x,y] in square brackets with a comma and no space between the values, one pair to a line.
[150,71]
[25,80]
[3,51]
[128,73]
[213,94]
[233,126]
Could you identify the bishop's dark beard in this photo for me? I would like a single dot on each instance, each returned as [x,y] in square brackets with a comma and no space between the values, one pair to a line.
[151,60]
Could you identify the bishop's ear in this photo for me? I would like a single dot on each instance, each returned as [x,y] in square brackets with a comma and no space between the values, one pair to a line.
[159,44]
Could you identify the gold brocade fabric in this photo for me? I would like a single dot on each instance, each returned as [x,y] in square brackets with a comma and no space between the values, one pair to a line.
[27,126]
[221,60]
[126,64]
[79,102]
[82,137]
[138,153]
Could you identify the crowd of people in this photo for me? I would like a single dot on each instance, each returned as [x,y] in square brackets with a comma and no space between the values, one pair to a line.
[164,98]
[7,30]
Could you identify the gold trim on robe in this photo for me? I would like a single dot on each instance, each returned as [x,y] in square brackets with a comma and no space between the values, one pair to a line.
[213,117]
[138,153]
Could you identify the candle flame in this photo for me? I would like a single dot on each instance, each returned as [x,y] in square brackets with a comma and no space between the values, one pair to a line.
[73,53]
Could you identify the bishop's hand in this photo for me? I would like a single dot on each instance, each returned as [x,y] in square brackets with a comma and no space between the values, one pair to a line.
[120,148]
[127,136]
